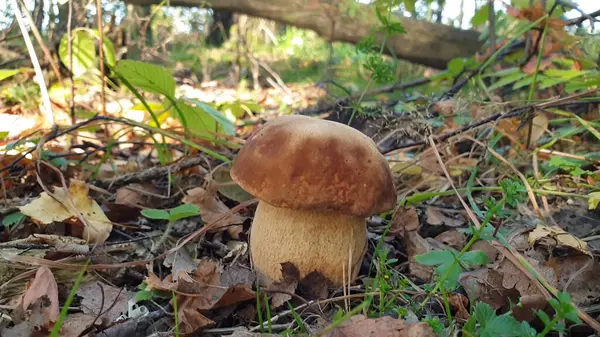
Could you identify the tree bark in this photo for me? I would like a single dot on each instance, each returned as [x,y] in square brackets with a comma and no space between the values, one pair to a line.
[424,43]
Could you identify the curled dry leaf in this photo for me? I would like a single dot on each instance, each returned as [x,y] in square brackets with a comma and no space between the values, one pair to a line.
[416,245]
[405,220]
[553,235]
[436,217]
[69,206]
[207,288]
[459,303]
[486,285]
[453,238]
[386,326]
[92,306]
[43,287]
[211,209]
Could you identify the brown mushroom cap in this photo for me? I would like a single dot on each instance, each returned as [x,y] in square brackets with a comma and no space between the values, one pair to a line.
[308,163]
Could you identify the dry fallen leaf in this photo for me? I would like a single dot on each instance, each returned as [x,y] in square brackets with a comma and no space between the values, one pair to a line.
[211,209]
[416,245]
[212,288]
[551,236]
[405,220]
[386,326]
[68,206]
[453,238]
[435,217]
[92,295]
[43,287]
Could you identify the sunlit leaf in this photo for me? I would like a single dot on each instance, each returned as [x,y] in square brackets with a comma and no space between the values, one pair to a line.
[226,124]
[6,73]
[183,211]
[158,214]
[147,76]
[83,49]
[481,16]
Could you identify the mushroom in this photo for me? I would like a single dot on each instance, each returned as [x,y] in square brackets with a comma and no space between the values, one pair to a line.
[316,182]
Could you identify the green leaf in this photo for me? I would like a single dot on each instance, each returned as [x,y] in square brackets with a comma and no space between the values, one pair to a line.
[226,124]
[183,211]
[485,314]
[6,73]
[143,295]
[481,16]
[523,83]
[199,121]
[526,330]
[84,52]
[543,317]
[158,214]
[474,258]
[12,219]
[3,135]
[383,19]
[147,76]
[410,5]
[508,79]
[504,325]
[455,66]
[435,257]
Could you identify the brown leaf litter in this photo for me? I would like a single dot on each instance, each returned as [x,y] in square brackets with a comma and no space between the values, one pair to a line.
[212,209]
[207,288]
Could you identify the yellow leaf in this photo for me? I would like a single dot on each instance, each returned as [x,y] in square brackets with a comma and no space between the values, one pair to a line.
[594,199]
[71,205]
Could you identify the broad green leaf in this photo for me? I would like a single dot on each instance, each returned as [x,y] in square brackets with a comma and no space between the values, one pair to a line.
[84,52]
[504,325]
[183,211]
[147,76]
[158,214]
[435,257]
[107,47]
[226,124]
[456,65]
[526,330]
[12,219]
[199,122]
[6,73]
[474,258]
[450,272]
[3,135]
[481,16]
[485,313]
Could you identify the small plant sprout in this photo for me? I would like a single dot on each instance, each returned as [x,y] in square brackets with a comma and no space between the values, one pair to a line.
[172,215]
